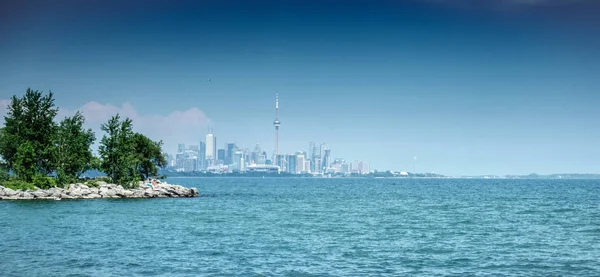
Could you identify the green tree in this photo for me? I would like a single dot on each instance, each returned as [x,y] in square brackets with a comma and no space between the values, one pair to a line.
[72,149]
[117,156]
[30,119]
[25,161]
[149,156]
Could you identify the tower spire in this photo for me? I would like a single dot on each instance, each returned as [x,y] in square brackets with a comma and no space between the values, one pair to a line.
[276,123]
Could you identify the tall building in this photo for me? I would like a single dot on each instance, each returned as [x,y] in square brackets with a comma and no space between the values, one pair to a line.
[326,159]
[211,149]
[311,156]
[292,166]
[280,161]
[221,155]
[237,160]
[181,148]
[363,168]
[300,163]
[255,154]
[201,155]
[229,154]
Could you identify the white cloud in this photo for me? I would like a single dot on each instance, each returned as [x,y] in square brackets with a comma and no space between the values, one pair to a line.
[177,126]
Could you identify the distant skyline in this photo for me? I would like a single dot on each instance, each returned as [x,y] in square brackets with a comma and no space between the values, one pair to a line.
[469,87]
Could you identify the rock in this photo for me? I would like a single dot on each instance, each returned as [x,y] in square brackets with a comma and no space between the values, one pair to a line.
[9,192]
[107,193]
[40,194]
[81,191]
[75,193]
[92,196]
[25,195]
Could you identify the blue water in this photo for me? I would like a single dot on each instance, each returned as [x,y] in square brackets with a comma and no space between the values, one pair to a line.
[314,227]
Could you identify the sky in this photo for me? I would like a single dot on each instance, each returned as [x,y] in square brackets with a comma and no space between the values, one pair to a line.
[468,87]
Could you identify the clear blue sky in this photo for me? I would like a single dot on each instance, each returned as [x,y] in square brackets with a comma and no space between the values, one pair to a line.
[469,87]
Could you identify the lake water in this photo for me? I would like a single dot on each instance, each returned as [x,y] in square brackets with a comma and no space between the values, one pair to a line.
[314,227]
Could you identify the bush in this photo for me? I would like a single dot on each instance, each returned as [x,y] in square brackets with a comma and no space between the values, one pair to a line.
[93,183]
[63,179]
[18,185]
[44,182]
[105,179]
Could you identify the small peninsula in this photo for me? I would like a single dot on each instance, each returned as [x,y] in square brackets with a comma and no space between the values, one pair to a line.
[43,158]
[100,190]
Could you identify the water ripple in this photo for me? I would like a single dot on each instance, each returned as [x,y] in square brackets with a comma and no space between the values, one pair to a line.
[314,227]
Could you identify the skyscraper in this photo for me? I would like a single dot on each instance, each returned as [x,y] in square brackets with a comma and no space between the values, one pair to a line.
[211,148]
[322,150]
[201,155]
[300,163]
[229,154]
[181,148]
[327,159]
[221,155]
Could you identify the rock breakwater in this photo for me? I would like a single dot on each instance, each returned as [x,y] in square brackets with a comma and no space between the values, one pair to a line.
[100,190]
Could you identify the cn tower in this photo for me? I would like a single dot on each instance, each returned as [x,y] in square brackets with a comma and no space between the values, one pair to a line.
[276,123]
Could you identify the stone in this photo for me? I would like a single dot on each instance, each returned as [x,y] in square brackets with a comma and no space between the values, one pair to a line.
[9,192]
[92,196]
[81,191]
[107,193]
[26,195]
[40,194]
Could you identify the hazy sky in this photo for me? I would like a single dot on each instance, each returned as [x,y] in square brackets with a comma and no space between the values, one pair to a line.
[469,87]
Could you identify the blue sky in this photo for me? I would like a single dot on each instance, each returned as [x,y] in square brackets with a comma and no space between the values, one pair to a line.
[469,87]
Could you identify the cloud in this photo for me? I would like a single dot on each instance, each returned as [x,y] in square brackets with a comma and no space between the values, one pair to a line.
[178,126]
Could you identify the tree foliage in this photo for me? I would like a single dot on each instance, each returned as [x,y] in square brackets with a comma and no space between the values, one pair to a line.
[25,162]
[149,156]
[72,148]
[32,146]
[30,119]
[117,157]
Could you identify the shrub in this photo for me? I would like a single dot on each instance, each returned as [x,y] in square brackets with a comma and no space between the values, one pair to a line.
[105,179]
[92,183]
[44,182]
[18,185]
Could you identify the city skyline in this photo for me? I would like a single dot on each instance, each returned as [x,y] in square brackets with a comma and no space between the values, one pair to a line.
[469,87]
[207,156]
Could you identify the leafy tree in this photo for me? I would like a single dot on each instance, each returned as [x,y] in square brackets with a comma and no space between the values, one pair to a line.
[25,161]
[117,151]
[29,119]
[4,174]
[72,149]
[149,156]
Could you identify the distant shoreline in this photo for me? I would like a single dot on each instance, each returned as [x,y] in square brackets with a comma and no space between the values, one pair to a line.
[272,175]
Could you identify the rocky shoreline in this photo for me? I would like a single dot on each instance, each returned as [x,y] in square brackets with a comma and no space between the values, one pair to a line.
[100,190]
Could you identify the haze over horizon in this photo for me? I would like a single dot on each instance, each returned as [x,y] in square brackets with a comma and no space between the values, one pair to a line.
[469,87]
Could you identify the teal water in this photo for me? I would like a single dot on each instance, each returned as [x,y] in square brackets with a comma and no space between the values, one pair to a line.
[314,227]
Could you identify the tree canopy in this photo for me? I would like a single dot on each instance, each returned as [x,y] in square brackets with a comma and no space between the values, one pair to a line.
[72,147]
[29,119]
[34,146]
[149,156]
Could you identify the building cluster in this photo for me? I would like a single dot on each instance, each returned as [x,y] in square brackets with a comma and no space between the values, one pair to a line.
[206,157]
